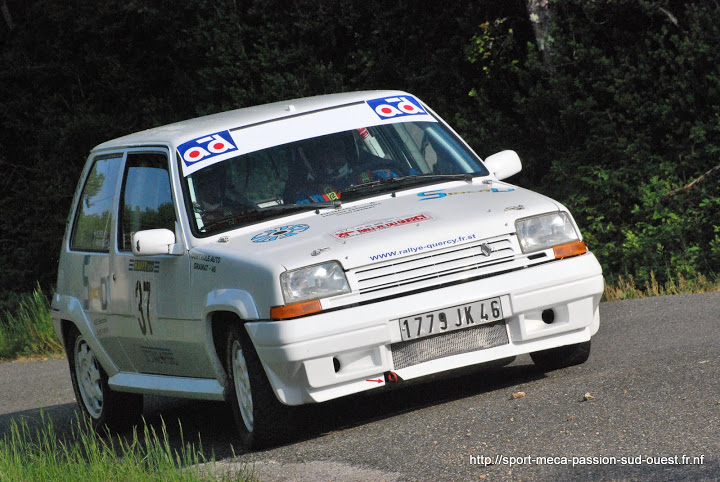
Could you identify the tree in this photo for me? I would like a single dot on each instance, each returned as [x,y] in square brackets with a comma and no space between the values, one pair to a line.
[541,18]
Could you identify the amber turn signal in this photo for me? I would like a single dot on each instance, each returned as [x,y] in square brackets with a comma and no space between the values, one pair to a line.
[294,310]
[570,249]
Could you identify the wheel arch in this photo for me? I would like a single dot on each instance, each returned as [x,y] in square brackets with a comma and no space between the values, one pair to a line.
[238,302]
[224,308]
[66,325]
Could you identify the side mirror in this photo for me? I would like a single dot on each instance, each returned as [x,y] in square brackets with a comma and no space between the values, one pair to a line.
[154,242]
[504,164]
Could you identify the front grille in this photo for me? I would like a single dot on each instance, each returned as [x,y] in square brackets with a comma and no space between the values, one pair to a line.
[468,260]
[412,352]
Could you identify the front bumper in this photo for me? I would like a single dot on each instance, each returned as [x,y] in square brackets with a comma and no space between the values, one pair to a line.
[340,352]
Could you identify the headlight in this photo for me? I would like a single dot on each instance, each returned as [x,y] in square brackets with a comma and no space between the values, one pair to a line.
[313,282]
[545,231]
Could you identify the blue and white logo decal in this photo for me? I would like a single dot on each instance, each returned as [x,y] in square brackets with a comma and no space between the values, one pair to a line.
[439,194]
[279,233]
[206,147]
[391,107]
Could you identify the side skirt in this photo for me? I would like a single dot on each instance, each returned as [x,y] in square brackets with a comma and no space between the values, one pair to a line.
[196,388]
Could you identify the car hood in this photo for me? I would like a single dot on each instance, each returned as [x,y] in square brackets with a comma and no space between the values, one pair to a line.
[386,228]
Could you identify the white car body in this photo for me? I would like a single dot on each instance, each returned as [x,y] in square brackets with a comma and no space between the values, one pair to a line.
[411,253]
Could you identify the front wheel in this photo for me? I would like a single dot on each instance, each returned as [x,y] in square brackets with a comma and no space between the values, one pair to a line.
[261,419]
[98,403]
[562,356]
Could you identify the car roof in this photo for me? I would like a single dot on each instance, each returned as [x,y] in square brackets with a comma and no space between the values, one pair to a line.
[178,132]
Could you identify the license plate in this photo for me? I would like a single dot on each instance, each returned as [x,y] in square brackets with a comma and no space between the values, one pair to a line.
[450,319]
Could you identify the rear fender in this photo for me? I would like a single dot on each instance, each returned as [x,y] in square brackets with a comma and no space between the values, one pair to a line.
[67,309]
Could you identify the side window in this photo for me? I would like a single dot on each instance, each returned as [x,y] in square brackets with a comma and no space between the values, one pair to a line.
[91,231]
[145,200]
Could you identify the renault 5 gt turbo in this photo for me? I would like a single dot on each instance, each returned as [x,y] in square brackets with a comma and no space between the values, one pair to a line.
[302,251]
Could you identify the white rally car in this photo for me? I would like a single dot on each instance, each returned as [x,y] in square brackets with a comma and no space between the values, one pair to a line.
[302,251]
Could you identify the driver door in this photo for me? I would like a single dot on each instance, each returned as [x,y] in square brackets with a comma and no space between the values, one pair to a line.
[150,293]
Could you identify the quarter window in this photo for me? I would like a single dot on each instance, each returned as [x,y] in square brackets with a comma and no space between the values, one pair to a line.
[91,231]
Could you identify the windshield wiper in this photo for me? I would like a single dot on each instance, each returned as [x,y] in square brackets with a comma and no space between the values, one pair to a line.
[300,206]
[261,213]
[407,180]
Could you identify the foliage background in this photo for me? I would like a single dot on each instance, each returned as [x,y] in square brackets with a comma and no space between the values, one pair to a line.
[613,118]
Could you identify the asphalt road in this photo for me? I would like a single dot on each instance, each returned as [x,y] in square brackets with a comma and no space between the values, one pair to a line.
[646,406]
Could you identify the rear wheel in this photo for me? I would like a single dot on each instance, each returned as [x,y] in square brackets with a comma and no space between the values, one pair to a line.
[98,403]
[562,356]
[261,419]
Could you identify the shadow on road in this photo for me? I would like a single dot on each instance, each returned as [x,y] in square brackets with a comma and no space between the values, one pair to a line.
[394,400]
[62,417]
[209,426]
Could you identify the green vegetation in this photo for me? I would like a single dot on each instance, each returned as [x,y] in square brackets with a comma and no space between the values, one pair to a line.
[84,455]
[622,124]
[629,288]
[28,330]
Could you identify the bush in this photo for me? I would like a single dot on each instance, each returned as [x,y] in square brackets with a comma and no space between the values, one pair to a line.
[624,116]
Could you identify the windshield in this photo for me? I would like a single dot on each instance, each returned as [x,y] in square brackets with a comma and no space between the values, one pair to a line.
[297,176]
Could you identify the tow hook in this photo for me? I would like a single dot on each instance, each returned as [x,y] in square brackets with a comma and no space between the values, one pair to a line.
[392,377]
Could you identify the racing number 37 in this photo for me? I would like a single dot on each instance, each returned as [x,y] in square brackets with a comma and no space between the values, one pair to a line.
[142,295]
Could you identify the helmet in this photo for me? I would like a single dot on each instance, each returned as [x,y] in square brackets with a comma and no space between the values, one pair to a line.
[328,156]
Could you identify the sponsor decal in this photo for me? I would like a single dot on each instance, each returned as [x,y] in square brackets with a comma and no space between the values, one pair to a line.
[206,147]
[102,328]
[207,258]
[380,225]
[393,107]
[205,262]
[281,232]
[429,195]
[355,209]
[144,266]
[95,286]
[159,356]
[408,250]
[204,267]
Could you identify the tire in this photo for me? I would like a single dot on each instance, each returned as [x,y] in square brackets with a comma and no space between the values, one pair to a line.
[261,419]
[104,408]
[562,357]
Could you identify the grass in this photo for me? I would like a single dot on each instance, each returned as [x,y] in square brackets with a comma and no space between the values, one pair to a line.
[28,330]
[625,288]
[85,455]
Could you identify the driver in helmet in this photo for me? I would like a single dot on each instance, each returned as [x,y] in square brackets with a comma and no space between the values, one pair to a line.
[329,162]
[327,171]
